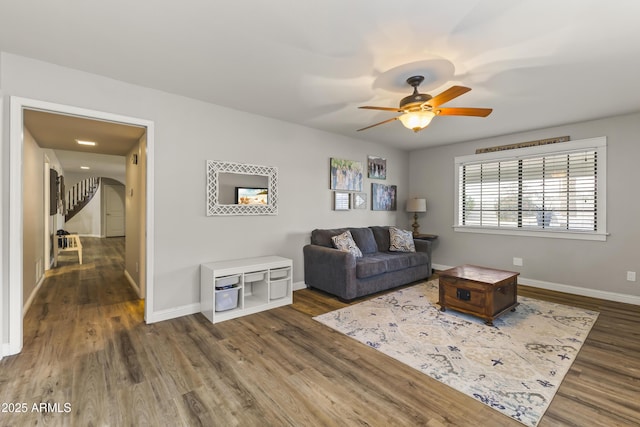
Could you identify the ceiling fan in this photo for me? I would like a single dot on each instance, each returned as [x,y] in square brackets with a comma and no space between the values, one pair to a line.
[419,108]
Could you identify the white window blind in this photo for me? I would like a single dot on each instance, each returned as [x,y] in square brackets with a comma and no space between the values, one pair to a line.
[555,188]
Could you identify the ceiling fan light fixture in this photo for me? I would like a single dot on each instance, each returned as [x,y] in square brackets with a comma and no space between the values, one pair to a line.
[417,120]
[419,108]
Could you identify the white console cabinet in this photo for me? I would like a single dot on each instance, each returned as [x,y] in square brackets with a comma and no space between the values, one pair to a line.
[230,289]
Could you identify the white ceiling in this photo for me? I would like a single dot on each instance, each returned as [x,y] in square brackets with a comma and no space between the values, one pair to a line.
[537,63]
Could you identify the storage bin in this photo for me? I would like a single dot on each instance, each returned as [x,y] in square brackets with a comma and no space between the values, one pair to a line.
[279,289]
[226,281]
[279,273]
[255,276]
[227,299]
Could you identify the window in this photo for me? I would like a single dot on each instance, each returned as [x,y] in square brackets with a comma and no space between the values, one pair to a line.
[555,190]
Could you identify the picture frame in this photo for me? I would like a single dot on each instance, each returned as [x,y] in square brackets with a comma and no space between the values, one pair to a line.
[340,201]
[376,167]
[346,175]
[358,200]
[384,197]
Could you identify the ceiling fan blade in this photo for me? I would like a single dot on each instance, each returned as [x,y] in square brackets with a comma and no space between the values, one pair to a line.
[381,123]
[367,107]
[477,112]
[447,95]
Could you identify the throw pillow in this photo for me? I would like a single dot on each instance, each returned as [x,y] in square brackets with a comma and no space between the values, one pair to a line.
[401,240]
[345,243]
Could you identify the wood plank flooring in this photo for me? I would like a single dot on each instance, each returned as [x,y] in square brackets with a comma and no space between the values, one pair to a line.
[86,345]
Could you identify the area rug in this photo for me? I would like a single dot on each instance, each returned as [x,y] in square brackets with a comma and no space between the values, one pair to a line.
[514,366]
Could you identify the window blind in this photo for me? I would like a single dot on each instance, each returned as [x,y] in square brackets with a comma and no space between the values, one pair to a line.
[554,191]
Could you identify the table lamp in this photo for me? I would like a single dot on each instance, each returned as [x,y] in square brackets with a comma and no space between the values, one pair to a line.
[416,205]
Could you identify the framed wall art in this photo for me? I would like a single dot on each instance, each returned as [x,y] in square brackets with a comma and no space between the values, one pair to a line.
[346,175]
[383,197]
[340,201]
[358,200]
[376,167]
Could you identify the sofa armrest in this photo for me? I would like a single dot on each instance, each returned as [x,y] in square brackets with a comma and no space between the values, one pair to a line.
[423,246]
[330,270]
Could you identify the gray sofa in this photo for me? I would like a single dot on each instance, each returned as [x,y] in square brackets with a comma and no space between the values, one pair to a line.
[347,277]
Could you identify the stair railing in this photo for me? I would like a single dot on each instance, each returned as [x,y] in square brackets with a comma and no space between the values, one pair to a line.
[79,195]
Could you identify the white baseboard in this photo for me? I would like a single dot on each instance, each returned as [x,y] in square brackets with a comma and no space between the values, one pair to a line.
[133,283]
[569,289]
[299,285]
[9,349]
[577,290]
[172,313]
[27,304]
[186,310]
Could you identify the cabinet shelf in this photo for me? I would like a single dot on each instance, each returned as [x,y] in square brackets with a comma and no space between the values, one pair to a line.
[259,283]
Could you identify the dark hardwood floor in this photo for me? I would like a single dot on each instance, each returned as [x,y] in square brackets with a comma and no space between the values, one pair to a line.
[89,355]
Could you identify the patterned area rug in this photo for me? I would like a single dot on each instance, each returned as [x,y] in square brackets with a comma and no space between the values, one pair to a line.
[514,366]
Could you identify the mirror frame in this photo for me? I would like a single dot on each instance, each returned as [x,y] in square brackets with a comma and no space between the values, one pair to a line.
[215,168]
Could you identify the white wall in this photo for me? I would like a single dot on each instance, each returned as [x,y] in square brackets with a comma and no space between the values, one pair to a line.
[595,268]
[187,133]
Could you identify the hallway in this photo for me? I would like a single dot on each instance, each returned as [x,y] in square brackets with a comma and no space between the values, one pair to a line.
[68,333]
[98,283]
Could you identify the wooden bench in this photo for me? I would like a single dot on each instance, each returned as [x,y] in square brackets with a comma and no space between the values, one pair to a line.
[65,243]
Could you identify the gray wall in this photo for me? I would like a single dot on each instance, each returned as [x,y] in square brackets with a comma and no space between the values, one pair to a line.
[594,267]
[34,216]
[135,214]
[189,132]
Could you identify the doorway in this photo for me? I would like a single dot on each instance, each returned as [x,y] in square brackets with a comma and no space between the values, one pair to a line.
[145,236]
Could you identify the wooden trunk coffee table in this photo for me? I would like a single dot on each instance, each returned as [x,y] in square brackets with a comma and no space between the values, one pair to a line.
[483,292]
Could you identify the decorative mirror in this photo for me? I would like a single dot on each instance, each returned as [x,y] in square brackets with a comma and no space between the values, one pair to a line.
[241,189]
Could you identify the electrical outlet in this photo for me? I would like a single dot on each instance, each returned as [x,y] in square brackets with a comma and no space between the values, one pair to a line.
[517,261]
[631,276]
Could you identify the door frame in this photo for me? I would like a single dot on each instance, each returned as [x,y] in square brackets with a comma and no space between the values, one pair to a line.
[16,126]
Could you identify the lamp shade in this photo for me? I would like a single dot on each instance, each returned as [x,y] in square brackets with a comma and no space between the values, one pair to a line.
[417,205]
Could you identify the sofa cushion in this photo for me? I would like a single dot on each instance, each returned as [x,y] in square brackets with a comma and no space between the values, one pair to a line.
[371,265]
[381,234]
[401,240]
[397,261]
[364,239]
[323,237]
[417,258]
[345,243]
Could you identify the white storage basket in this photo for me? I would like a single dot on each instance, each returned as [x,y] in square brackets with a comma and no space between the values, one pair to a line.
[279,289]
[279,273]
[254,276]
[227,299]
[226,281]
